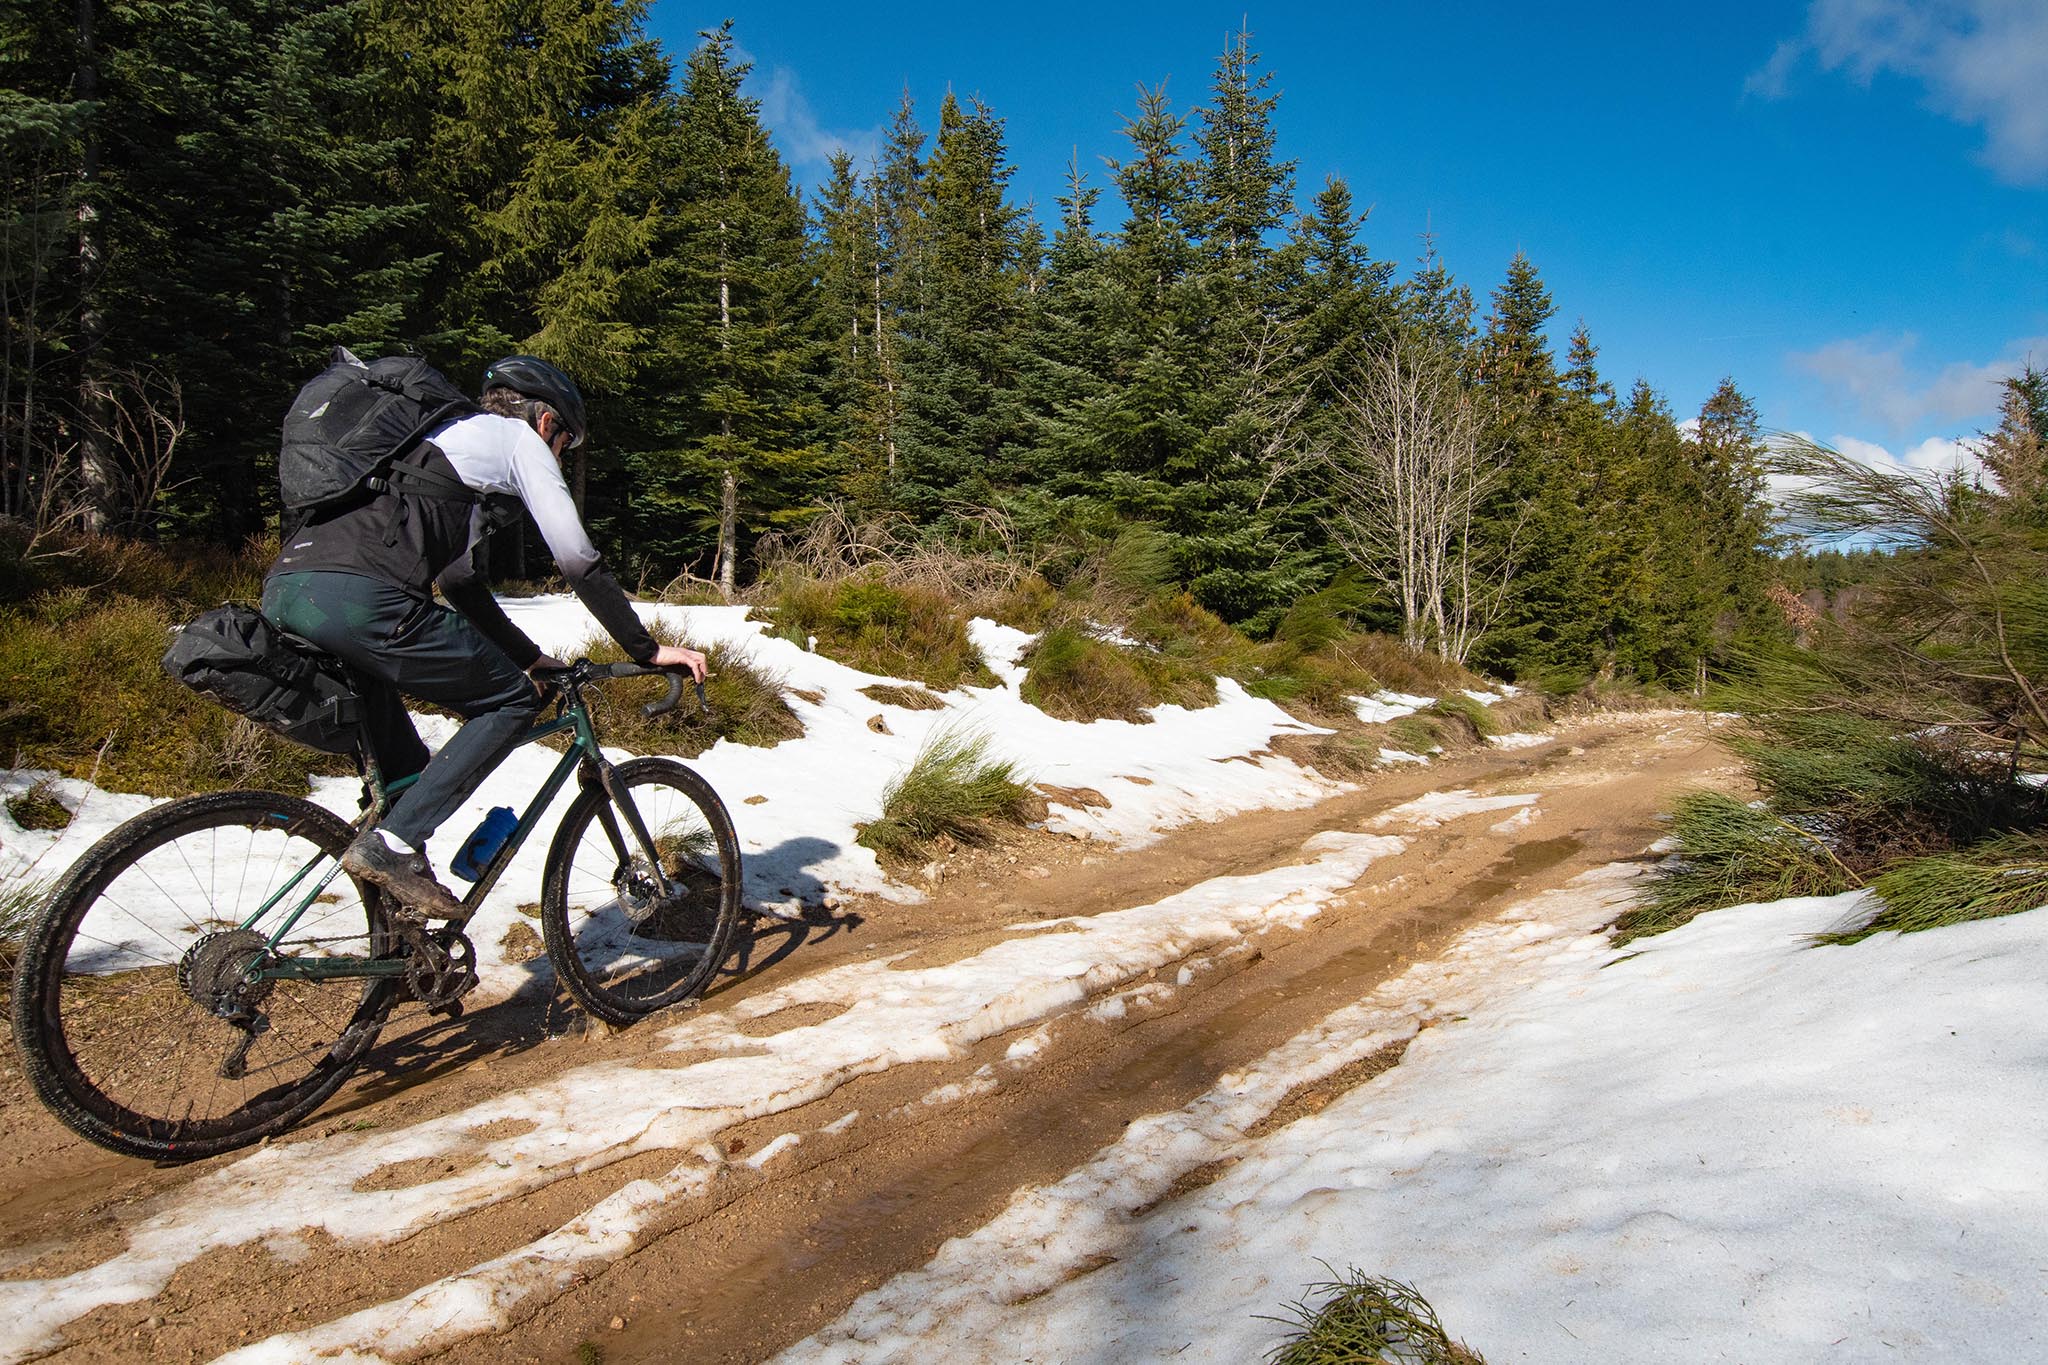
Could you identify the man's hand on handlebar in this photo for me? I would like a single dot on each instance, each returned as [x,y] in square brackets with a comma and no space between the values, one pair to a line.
[675,656]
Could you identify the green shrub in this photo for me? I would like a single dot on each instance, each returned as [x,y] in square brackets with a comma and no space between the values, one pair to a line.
[1730,852]
[877,627]
[1073,675]
[747,702]
[1363,1318]
[951,788]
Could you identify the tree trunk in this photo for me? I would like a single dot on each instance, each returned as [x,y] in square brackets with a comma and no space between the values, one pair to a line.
[95,461]
[729,489]
[728,530]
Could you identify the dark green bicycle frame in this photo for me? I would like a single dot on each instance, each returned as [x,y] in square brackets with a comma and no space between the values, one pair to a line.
[583,752]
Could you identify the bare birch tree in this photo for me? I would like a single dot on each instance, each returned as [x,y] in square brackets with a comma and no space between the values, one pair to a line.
[1408,477]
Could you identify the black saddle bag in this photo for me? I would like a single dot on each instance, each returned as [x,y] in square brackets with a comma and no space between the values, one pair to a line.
[235,656]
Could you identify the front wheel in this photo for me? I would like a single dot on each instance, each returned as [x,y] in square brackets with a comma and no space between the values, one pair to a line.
[146,1004]
[626,941]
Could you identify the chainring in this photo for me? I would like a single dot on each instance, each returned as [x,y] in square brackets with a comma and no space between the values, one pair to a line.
[443,968]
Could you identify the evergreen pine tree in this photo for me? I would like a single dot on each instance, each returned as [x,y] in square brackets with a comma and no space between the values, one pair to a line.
[2017,452]
[1549,627]
[737,453]
[963,414]
[1435,307]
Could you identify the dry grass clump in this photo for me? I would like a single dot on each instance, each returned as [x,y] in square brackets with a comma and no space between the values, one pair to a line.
[747,702]
[909,698]
[93,569]
[975,566]
[1401,669]
[1074,676]
[82,692]
[21,900]
[951,788]
[1346,756]
[1475,715]
[39,808]
[869,623]
[1366,1318]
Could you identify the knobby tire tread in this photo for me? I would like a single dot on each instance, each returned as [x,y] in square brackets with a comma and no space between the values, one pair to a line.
[556,932]
[38,1029]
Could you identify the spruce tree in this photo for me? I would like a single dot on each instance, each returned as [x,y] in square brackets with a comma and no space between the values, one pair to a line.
[1549,628]
[847,251]
[736,452]
[964,419]
[1434,307]
[2016,453]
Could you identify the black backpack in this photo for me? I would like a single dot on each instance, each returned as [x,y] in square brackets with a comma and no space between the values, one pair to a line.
[235,656]
[349,428]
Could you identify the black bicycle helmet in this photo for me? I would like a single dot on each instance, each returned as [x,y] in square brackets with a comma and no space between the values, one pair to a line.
[535,378]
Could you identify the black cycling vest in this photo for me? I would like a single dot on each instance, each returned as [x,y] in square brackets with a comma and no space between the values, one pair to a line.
[402,538]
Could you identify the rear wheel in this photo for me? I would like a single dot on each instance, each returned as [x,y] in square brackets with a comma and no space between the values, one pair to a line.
[139,1016]
[625,942]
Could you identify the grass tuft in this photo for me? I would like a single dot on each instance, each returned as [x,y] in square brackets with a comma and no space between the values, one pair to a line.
[951,788]
[747,702]
[1420,733]
[1366,1318]
[1075,676]
[1477,714]
[909,698]
[2003,876]
[21,898]
[866,622]
[1731,852]
[39,808]
[82,693]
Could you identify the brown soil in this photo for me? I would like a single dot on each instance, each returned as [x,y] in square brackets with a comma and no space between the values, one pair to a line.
[767,1256]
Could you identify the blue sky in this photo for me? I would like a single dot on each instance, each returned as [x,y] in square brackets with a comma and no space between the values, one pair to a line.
[1842,204]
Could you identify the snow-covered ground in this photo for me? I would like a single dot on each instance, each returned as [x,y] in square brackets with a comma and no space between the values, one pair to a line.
[1725,1143]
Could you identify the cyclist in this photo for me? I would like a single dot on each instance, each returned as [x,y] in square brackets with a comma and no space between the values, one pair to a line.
[358,582]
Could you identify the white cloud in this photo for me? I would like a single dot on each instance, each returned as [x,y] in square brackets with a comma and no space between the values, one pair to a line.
[1936,455]
[1879,379]
[1980,62]
[789,117]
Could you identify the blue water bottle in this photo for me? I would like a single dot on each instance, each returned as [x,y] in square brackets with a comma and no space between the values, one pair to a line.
[483,845]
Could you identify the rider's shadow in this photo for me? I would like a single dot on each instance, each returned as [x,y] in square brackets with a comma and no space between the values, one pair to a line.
[782,876]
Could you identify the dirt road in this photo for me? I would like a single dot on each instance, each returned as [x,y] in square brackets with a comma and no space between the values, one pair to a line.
[465,1197]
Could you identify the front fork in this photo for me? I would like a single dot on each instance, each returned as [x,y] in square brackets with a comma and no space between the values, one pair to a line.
[598,774]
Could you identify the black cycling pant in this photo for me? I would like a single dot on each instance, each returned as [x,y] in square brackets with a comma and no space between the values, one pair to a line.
[398,643]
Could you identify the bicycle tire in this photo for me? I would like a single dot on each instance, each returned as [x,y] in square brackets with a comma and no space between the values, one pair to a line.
[111,1033]
[605,930]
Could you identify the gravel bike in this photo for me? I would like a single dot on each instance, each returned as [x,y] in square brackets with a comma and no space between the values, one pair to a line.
[206,974]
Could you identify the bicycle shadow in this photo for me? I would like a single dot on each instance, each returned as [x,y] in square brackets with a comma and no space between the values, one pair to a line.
[782,876]
[418,1048]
